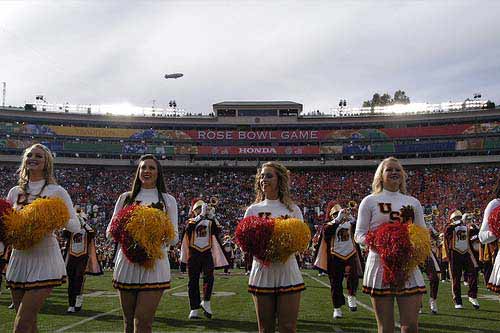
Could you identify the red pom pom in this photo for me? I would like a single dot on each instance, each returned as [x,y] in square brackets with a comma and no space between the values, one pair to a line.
[392,242]
[494,222]
[5,207]
[119,222]
[253,234]
[130,248]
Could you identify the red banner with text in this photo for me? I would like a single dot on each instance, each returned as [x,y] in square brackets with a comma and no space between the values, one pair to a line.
[281,150]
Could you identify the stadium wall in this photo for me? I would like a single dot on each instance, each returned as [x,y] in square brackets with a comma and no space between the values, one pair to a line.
[10,159]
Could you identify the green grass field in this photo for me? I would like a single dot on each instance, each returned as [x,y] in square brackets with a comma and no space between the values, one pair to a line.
[235,312]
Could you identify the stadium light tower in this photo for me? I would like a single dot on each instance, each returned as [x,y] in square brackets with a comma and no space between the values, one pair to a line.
[4,90]
[173,103]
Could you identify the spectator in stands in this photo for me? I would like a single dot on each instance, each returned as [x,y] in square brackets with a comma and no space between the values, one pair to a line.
[141,288]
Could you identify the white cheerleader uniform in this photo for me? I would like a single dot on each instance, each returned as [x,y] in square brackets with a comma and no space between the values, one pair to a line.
[275,278]
[374,211]
[486,236]
[42,265]
[132,276]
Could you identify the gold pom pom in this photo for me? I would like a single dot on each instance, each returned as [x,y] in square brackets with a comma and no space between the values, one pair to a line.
[421,245]
[151,228]
[289,236]
[26,227]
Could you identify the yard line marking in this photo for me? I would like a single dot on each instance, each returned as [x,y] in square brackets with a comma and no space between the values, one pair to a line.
[65,328]
[367,307]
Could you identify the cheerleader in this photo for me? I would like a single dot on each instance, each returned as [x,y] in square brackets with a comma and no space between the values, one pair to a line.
[33,273]
[141,288]
[276,287]
[382,206]
[486,236]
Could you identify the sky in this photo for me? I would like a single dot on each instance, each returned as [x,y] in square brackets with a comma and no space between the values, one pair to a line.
[310,52]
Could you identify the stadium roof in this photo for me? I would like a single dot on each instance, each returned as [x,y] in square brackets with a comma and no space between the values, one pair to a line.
[251,103]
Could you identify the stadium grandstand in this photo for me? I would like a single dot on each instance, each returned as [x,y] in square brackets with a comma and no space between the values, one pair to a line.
[332,155]
[240,133]
[451,152]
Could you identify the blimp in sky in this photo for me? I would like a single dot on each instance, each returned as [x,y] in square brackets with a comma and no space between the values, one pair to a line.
[173,76]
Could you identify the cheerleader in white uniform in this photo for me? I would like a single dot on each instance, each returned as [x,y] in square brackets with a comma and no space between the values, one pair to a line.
[141,288]
[486,237]
[275,287]
[383,205]
[34,272]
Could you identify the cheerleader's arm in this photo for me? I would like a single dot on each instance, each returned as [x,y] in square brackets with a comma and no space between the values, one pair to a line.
[419,214]
[297,213]
[363,224]
[118,207]
[12,196]
[174,217]
[73,224]
[485,235]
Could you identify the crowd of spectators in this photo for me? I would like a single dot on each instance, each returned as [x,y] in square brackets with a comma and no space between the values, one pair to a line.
[440,189]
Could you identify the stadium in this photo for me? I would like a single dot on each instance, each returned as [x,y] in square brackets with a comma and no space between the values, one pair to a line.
[451,152]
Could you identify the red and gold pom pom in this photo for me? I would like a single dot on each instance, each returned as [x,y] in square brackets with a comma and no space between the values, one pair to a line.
[5,207]
[494,222]
[272,240]
[420,240]
[289,236]
[142,231]
[392,242]
[26,227]
[253,234]
[402,247]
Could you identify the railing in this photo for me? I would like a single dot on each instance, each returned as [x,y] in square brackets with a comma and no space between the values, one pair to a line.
[400,109]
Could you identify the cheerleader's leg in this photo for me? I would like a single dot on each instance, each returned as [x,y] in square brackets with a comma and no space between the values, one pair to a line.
[408,312]
[147,303]
[265,308]
[128,301]
[27,311]
[288,311]
[384,313]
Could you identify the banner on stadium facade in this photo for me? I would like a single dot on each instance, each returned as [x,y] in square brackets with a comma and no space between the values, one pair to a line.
[470,144]
[292,135]
[257,135]
[279,150]
[331,150]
